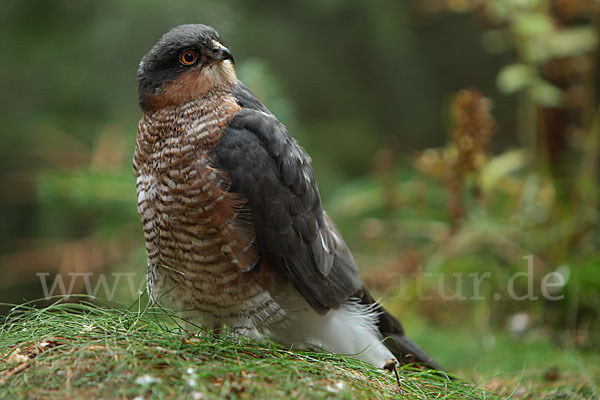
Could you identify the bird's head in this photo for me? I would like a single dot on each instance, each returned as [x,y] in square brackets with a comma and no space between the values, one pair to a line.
[186,63]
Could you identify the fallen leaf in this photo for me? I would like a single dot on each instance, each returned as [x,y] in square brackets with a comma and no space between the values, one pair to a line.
[17,357]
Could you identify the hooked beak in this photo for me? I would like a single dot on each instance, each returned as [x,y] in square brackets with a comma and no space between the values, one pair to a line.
[221,53]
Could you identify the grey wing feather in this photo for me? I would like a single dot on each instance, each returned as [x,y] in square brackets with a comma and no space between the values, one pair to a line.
[273,173]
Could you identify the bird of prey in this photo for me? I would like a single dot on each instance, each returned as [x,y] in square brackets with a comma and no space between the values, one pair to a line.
[235,231]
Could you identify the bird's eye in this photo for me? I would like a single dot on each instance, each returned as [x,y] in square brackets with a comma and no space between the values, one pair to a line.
[188,57]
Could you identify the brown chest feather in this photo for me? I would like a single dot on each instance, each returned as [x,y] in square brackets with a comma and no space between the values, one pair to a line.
[190,219]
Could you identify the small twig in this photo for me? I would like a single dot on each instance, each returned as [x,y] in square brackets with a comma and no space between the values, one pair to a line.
[13,371]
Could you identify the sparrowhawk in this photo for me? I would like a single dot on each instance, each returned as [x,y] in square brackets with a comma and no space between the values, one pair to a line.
[235,231]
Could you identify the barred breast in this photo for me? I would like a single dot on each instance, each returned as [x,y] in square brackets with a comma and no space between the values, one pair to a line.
[199,236]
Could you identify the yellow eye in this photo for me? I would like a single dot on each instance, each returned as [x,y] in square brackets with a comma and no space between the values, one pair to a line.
[188,57]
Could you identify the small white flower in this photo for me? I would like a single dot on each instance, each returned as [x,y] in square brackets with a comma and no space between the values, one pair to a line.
[336,388]
[191,381]
[146,380]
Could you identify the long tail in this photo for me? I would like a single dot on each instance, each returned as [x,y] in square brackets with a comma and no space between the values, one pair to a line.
[404,349]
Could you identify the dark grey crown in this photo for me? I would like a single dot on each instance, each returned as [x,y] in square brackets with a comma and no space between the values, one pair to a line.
[161,64]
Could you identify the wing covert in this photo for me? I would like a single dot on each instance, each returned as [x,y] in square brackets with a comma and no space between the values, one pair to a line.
[272,172]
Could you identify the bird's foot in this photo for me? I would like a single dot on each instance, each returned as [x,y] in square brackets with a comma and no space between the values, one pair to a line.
[391,365]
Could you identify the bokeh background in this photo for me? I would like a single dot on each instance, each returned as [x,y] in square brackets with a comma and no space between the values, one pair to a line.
[448,137]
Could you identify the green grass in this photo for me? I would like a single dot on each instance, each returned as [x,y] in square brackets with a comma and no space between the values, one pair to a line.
[538,364]
[89,351]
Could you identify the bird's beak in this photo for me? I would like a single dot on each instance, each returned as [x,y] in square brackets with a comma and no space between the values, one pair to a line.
[221,53]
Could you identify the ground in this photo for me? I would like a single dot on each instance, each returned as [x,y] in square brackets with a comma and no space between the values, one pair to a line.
[91,351]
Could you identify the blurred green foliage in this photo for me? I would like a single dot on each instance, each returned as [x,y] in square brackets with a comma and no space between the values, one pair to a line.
[368,89]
